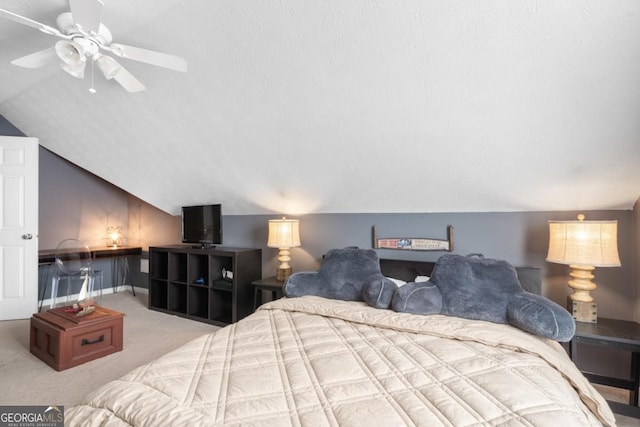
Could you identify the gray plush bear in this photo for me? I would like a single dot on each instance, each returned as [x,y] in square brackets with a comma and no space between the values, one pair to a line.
[348,274]
[479,288]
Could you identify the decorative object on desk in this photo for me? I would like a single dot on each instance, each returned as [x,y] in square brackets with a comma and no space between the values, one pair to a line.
[413,243]
[284,234]
[80,310]
[583,245]
[115,236]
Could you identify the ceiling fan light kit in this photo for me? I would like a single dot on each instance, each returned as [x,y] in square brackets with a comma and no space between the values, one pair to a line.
[74,54]
[109,66]
[84,37]
[69,53]
[76,71]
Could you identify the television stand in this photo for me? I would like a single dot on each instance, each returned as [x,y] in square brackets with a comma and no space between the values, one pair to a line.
[189,282]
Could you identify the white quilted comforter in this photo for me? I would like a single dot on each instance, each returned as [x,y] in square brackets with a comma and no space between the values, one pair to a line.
[313,362]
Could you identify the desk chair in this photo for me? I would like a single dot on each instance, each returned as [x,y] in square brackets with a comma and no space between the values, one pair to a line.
[73,262]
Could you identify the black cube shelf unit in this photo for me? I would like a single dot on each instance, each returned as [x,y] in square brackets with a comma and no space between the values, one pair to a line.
[187,281]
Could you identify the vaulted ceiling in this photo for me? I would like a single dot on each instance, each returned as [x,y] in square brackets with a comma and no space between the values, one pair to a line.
[295,106]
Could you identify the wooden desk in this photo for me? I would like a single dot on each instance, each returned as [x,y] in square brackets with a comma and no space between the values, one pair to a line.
[48,256]
[620,334]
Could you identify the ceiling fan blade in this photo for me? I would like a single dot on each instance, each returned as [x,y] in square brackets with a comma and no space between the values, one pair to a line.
[31,23]
[36,59]
[87,14]
[165,60]
[128,81]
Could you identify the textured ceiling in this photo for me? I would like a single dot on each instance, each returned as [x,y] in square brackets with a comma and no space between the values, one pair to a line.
[350,106]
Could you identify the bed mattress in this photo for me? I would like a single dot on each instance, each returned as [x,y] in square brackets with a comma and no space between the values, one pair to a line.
[312,362]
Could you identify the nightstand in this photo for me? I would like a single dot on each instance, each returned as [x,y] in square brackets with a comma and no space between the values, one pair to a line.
[620,334]
[270,284]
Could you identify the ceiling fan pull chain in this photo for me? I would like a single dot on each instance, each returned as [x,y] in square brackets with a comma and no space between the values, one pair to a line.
[92,89]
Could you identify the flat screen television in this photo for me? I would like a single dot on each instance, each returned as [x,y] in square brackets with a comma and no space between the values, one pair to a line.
[202,224]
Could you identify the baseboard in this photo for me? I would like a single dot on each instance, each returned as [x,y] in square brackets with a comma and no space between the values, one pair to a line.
[107,291]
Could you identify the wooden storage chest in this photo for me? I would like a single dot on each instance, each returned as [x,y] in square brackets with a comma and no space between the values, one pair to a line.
[63,340]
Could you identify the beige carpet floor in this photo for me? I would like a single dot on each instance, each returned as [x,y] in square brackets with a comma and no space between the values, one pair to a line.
[26,380]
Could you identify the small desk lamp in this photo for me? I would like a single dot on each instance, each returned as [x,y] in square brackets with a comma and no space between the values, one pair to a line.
[115,236]
[283,234]
[583,245]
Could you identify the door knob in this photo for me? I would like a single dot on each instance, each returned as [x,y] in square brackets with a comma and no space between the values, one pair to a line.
[27,236]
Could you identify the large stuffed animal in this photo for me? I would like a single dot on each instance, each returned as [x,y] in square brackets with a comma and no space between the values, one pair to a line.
[471,287]
[480,288]
[349,274]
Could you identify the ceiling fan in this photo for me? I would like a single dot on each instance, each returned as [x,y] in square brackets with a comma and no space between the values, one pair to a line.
[84,38]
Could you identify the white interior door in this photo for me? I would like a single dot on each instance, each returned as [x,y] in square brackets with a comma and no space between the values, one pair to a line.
[18,227]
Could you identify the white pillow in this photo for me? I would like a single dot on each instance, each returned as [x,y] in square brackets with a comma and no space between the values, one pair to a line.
[397,281]
[421,279]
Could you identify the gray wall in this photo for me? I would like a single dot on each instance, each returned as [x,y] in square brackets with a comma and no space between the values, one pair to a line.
[636,256]
[76,204]
[8,129]
[518,237]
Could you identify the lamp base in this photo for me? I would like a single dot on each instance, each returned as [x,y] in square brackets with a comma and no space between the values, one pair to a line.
[586,312]
[282,274]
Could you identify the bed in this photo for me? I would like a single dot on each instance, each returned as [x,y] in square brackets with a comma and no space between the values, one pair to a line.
[312,361]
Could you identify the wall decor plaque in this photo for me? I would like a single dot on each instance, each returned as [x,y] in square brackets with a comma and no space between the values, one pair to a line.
[413,243]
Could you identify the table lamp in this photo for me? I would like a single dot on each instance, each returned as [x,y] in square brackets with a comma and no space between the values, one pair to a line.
[115,236]
[583,245]
[284,234]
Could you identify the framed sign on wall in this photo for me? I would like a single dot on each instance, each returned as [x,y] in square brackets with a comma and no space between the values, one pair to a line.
[413,243]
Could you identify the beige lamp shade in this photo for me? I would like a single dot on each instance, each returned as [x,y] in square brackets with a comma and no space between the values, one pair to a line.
[592,243]
[284,233]
[583,245]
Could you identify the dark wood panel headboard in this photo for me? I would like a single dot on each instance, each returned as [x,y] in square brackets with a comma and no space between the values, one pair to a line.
[405,270]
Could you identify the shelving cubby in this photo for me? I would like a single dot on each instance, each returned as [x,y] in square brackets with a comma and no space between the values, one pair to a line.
[158,296]
[158,285]
[188,281]
[177,267]
[198,269]
[177,297]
